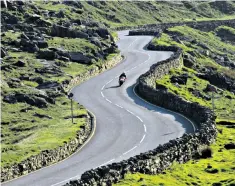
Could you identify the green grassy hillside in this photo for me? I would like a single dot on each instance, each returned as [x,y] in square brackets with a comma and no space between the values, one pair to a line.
[204,49]
[36,40]
[125,13]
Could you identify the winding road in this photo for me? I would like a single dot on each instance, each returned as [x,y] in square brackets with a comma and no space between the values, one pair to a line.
[126,125]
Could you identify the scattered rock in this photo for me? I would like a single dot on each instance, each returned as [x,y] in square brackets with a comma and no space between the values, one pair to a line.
[217,184]
[79,57]
[141,179]
[210,88]
[47,54]
[182,79]
[23,36]
[103,32]
[42,116]
[20,63]
[212,171]
[206,153]
[30,99]
[60,14]
[3,52]
[50,70]
[228,96]
[188,61]
[42,44]
[26,109]
[50,85]
[229,146]
[39,80]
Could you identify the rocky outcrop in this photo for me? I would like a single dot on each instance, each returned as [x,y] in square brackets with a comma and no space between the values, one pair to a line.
[33,100]
[180,150]
[62,31]
[218,79]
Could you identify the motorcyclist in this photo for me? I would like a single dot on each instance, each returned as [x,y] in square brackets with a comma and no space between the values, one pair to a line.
[122,75]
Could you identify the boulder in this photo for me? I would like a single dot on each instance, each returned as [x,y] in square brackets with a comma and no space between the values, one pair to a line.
[42,23]
[10,19]
[103,32]
[33,18]
[3,52]
[10,99]
[39,80]
[229,146]
[14,82]
[60,14]
[24,36]
[79,57]
[210,88]
[20,63]
[188,61]
[59,31]
[29,46]
[62,54]
[73,3]
[56,71]
[182,79]
[42,44]
[50,85]
[42,116]
[47,54]
[29,99]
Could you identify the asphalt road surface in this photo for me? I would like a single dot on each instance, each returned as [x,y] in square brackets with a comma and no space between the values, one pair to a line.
[126,124]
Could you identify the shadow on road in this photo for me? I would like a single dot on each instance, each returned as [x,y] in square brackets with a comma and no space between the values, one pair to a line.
[113,87]
[181,120]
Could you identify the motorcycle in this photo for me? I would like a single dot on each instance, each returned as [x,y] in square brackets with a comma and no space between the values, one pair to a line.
[122,80]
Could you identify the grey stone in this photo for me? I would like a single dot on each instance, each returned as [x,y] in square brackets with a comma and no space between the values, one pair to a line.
[20,63]
[47,54]
[229,146]
[79,57]
[3,52]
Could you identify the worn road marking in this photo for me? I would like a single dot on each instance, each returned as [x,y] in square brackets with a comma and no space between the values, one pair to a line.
[103,87]
[130,111]
[145,128]
[102,94]
[108,100]
[139,118]
[142,139]
[107,162]
[109,81]
[129,150]
[118,106]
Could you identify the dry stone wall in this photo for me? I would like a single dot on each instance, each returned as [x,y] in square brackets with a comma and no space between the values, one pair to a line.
[155,29]
[180,150]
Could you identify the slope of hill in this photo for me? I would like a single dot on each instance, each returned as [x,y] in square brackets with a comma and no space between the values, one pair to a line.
[46,44]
